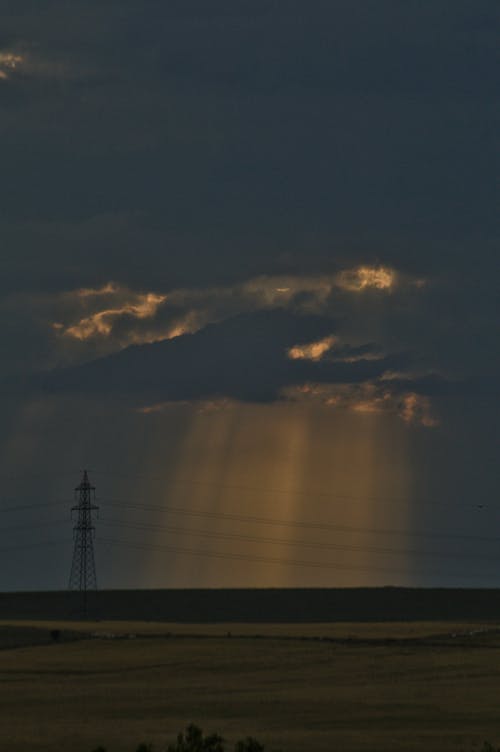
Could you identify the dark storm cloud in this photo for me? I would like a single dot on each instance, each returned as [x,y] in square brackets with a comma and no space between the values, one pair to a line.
[176,145]
[257,135]
[81,324]
[245,358]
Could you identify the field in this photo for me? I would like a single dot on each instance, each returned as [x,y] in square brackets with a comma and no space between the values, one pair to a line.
[349,687]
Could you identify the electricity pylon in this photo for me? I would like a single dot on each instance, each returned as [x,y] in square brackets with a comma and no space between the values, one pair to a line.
[83,574]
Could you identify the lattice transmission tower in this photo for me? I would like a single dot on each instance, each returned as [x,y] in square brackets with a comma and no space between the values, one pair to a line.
[83,573]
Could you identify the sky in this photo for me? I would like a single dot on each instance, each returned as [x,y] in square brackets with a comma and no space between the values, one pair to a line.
[249,257]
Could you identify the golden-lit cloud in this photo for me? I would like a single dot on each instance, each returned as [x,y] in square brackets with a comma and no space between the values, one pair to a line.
[109,317]
[160,407]
[9,63]
[90,292]
[367,397]
[312,350]
[101,323]
[367,277]
[93,321]
[416,408]
[302,293]
[337,353]
[95,313]
[317,290]
[98,312]
[26,60]
[205,406]
[358,357]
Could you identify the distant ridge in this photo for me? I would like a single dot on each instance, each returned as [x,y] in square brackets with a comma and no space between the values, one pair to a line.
[278,605]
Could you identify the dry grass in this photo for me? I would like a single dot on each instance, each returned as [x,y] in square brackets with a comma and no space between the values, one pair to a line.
[293,694]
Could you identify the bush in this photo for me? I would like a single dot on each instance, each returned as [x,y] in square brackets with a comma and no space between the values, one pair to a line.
[194,741]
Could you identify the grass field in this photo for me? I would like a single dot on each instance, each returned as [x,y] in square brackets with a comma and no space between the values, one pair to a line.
[363,687]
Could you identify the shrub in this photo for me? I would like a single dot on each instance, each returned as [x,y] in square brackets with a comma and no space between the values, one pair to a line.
[194,741]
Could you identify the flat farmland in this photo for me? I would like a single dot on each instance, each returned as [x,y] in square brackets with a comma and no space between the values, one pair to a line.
[315,687]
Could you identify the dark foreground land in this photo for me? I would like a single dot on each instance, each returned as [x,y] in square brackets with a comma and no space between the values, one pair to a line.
[302,670]
[369,687]
[254,605]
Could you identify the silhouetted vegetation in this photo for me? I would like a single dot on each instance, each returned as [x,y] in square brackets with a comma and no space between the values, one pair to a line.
[193,740]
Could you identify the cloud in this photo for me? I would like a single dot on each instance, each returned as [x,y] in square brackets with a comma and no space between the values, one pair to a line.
[244,357]
[371,396]
[94,320]
[349,354]
[115,316]
[366,277]
[206,406]
[247,358]
[312,350]
[10,62]
[101,324]
[331,349]
[26,62]
[90,292]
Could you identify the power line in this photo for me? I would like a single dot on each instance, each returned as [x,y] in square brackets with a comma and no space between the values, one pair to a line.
[238,556]
[25,476]
[39,544]
[32,526]
[252,519]
[268,540]
[294,524]
[296,492]
[278,561]
[38,505]
[295,543]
